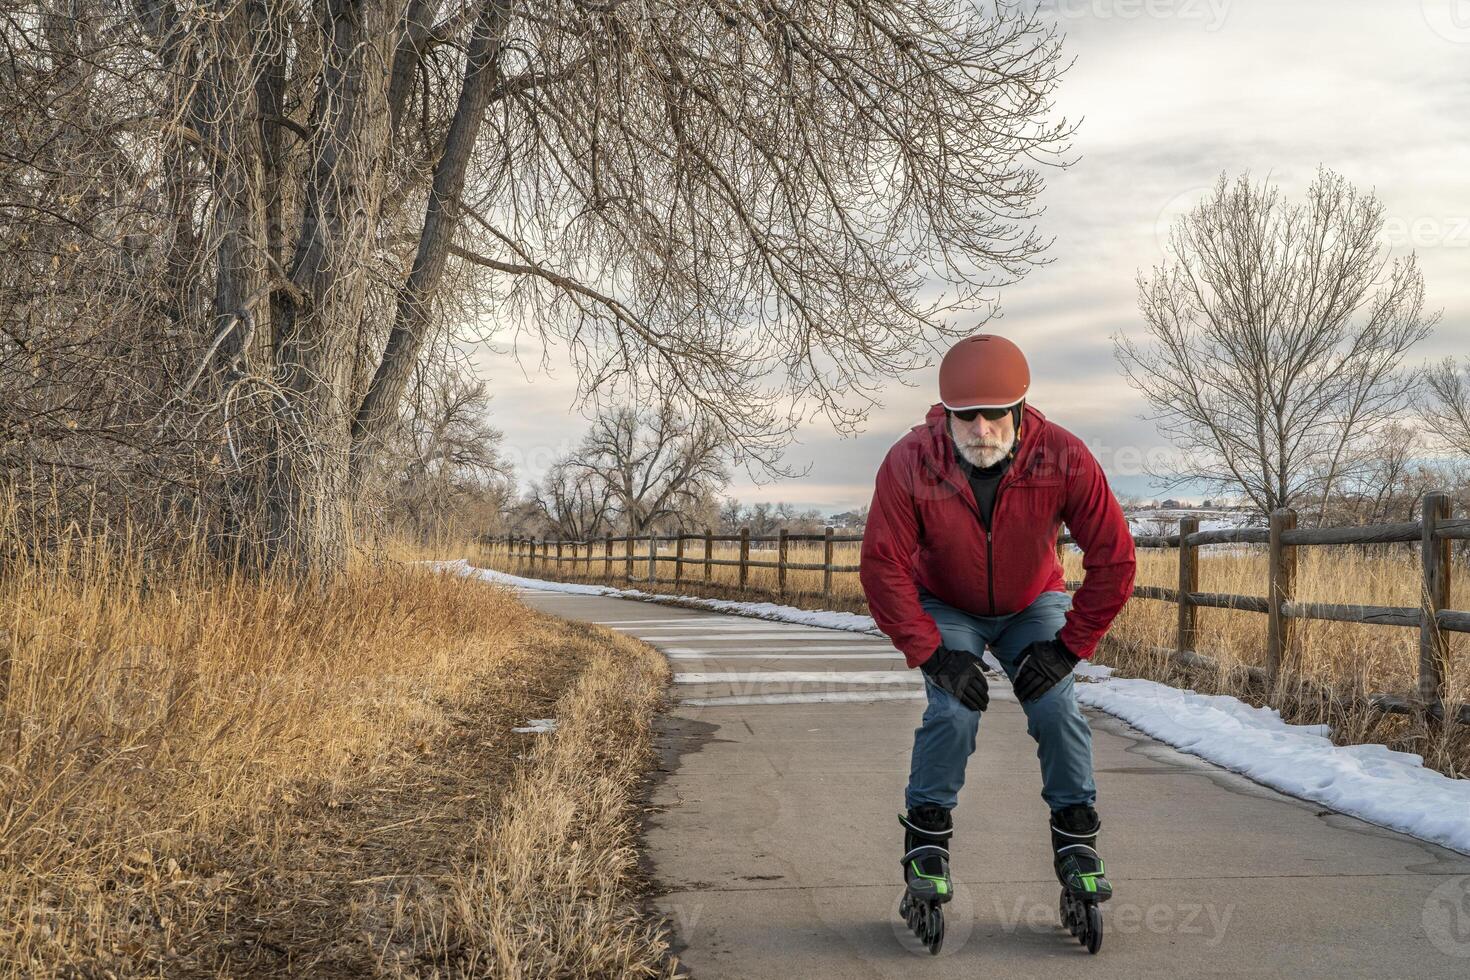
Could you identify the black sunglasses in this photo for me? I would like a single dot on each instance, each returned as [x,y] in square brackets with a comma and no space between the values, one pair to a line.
[990,414]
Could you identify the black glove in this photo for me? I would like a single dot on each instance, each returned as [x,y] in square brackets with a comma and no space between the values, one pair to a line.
[1043,663]
[959,673]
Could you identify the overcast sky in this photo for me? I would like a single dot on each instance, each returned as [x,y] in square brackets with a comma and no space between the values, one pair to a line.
[1170,93]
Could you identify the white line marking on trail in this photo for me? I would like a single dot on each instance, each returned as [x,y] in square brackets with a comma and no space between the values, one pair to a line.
[821,697]
[686,635]
[696,655]
[689,620]
[725,625]
[796,677]
[872,647]
[716,637]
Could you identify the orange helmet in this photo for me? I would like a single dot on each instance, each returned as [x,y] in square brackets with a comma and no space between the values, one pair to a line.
[983,371]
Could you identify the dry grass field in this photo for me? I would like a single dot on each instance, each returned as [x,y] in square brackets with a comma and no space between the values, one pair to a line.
[1352,660]
[209,776]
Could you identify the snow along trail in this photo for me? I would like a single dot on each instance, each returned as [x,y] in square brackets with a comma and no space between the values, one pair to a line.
[1371,782]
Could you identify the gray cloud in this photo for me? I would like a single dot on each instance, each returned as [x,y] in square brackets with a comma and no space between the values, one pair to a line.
[1365,87]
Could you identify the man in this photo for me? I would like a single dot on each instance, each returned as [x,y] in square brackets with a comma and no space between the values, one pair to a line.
[960,555]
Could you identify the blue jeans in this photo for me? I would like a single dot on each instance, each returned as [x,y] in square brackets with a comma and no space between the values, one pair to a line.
[946,738]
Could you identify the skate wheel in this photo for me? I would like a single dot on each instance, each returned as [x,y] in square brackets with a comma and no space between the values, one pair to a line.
[903,908]
[1094,931]
[936,931]
[1070,917]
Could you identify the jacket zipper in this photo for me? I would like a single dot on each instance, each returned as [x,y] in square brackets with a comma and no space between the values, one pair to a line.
[990,531]
[990,566]
[989,549]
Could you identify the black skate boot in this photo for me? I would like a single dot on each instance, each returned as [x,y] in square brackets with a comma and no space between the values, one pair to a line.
[1080,870]
[927,832]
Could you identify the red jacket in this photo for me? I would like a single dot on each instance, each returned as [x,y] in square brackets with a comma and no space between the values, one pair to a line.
[924,530]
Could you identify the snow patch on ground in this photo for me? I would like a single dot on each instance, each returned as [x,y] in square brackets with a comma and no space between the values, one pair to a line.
[1371,782]
[851,622]
[538,726]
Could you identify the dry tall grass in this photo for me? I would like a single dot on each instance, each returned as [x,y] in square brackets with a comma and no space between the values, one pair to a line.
[1353,660]
[206,775]
[548,895]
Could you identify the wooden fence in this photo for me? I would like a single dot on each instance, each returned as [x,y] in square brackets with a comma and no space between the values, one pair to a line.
[535,550]
[1435,532]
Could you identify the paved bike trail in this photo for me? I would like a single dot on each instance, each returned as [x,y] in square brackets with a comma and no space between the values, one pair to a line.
[775,844]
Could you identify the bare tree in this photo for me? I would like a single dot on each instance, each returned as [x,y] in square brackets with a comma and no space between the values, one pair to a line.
[700,512]
[285,204]
[442,457]
[762,519]
[1276,333]
[732,516]
[1383,481]
[656,464]
[575,502]
[1444,404]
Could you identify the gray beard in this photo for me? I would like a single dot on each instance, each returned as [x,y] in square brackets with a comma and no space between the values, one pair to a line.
[981,459]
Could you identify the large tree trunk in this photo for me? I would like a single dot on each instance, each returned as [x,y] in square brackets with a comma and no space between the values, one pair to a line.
[441,221]
[306,490]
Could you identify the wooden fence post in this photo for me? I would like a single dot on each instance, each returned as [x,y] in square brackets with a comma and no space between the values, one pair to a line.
[1188,583]
[781,563]
[652,558]
[679,559]
[533,555]
[1434,648]
[558,556]
[827,563]
[607,554]
[1281,588]
[628,556]
[744,557]
[709,552]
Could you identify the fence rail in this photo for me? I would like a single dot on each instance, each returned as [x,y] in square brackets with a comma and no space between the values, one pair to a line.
[1435,532]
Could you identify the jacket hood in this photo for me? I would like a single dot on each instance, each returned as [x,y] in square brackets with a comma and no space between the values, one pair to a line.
[938,451]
